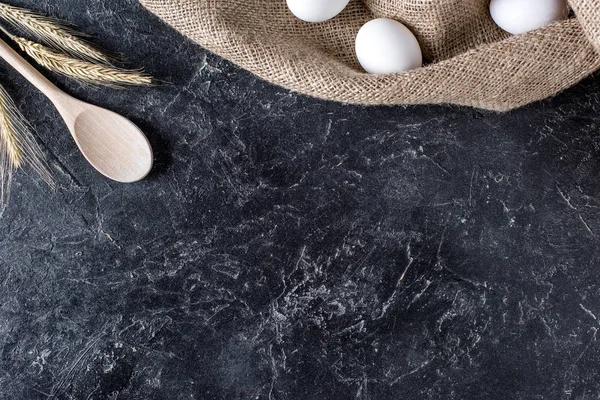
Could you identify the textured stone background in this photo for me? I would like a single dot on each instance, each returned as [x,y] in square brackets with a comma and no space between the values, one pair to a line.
[289,248]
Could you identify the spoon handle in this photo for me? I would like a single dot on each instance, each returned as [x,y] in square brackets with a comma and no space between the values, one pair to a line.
[30,73]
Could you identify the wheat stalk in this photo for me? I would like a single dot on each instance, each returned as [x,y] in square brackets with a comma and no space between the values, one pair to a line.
[54,33]
[80,70]
[66,52]
[17,146]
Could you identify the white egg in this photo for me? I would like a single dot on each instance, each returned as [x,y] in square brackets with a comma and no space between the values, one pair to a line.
[385,46]
[520,16]
[316,10]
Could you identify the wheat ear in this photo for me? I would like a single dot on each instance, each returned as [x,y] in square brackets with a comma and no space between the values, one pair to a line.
[79,70]
[54,33]
[17,146]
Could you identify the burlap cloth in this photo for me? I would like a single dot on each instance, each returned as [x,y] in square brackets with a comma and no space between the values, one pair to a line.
[470,61]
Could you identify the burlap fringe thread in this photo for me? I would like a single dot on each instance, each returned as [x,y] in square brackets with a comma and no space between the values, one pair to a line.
[470,60]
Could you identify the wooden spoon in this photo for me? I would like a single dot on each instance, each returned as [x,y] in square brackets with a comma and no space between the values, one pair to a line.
[110,142]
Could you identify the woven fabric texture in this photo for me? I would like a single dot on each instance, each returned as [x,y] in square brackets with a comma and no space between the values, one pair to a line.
[469,60]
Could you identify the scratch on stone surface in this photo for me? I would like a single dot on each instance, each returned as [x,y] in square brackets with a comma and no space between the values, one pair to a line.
[188,85]
[595,330]
[359,265]
[327,130]
[59,166]
[588,312]
[549,133]
[587,226]
[274,371]
[359,326]
[410,261]
[301,259]
[583,351]
[112,240]
[392,297]
[437,164]
[40,392]
[521,313]
[566,198]
[418,295]
[439,250]
[7,276]
[471,187]
[89,396]
[65,380]
[505,208]
[426,363]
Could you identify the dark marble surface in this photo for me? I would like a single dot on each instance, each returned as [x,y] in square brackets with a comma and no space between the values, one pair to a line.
[290,248]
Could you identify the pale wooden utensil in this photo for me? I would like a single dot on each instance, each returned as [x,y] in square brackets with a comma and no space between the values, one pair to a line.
[110,142]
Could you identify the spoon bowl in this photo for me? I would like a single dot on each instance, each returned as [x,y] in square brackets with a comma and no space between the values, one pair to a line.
[112,144]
